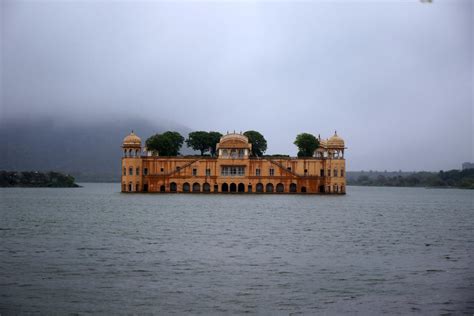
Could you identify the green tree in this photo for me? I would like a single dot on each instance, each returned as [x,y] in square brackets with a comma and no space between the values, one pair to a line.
[306,144]
[214,138]
[166,144]
[259,143]
[199,140]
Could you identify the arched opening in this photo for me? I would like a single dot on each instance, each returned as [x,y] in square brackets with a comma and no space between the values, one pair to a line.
[124,187]
[233,187]
[185,187]
[206,187]
[343,189]
[303,189]
[249,188]
[173,187]
[225,187]
[196,187]
[259,187]
[130,187]
[162,188]
[293,187]
[145,187]
[280,188]
[321,189]
[241,187]
[216,188]
[269,188]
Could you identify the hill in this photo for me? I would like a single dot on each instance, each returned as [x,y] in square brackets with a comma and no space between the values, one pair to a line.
[89,152]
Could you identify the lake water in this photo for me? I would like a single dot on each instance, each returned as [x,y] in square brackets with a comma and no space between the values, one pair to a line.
[375,250]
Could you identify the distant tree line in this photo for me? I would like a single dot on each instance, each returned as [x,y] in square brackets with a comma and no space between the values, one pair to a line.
[36,179]
[169,143]
[452,178]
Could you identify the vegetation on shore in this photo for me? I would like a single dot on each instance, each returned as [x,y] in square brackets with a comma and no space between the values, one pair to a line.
[36,179]
[444,179]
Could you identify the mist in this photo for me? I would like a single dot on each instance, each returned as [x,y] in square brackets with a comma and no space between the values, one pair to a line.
[393,78]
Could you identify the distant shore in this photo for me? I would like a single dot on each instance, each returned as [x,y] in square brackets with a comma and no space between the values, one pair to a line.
[458,179]
[35,179]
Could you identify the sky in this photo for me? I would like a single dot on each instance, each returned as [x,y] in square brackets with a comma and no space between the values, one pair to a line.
[394,78]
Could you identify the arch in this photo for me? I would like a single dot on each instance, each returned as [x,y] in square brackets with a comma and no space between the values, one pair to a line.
[233,187]
[225,187]
[173,187]
[124,187]
[162,188]
[216,188]
[130,187]
[303,189]
[145,187]
[293,188]
[280,188]
[249,188]
[259,187]
[137,187]
[321,188]
[241,187]
[269,188]
[186,187]
[196,187]
[343,189]
[206,187]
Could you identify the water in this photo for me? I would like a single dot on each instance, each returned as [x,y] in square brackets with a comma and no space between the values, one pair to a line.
[375,250]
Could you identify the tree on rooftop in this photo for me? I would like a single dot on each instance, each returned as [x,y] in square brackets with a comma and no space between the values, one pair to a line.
[199,140]
[259,143]
[166,144]
[307,144]
[214,138]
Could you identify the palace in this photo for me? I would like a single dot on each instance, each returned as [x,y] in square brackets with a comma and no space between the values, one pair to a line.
[234,170]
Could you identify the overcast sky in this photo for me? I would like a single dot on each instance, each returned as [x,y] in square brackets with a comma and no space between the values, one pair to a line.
[394,78]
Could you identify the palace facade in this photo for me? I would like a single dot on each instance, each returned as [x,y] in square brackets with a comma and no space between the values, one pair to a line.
[234,170]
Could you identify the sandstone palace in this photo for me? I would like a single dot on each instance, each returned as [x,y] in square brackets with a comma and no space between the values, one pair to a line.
[234,170]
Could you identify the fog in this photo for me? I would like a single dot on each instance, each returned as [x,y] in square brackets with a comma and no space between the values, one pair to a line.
[394,78]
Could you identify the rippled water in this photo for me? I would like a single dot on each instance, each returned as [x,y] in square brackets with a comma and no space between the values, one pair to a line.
[375,250]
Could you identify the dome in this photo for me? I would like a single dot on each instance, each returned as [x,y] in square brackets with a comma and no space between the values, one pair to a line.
[234,140]
[132,140]
[335,141]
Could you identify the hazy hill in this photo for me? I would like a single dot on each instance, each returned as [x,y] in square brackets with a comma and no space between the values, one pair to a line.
[90,152]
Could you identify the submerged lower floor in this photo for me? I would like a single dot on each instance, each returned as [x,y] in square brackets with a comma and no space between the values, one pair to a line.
[243,185]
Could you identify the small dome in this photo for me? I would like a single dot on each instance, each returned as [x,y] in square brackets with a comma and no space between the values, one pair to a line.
[335,141]
[132,140]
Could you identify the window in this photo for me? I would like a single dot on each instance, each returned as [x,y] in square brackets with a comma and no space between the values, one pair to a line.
[208,172]
[233,171]
[342,172]
[321,173]
[137,171]
[335,173]
[163,169]
[257,172]
[178,167]
[329,172]
[145,171]
[195,172]
[272,172]
[305,172]
[130,171]
[289,168]
[124,172]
